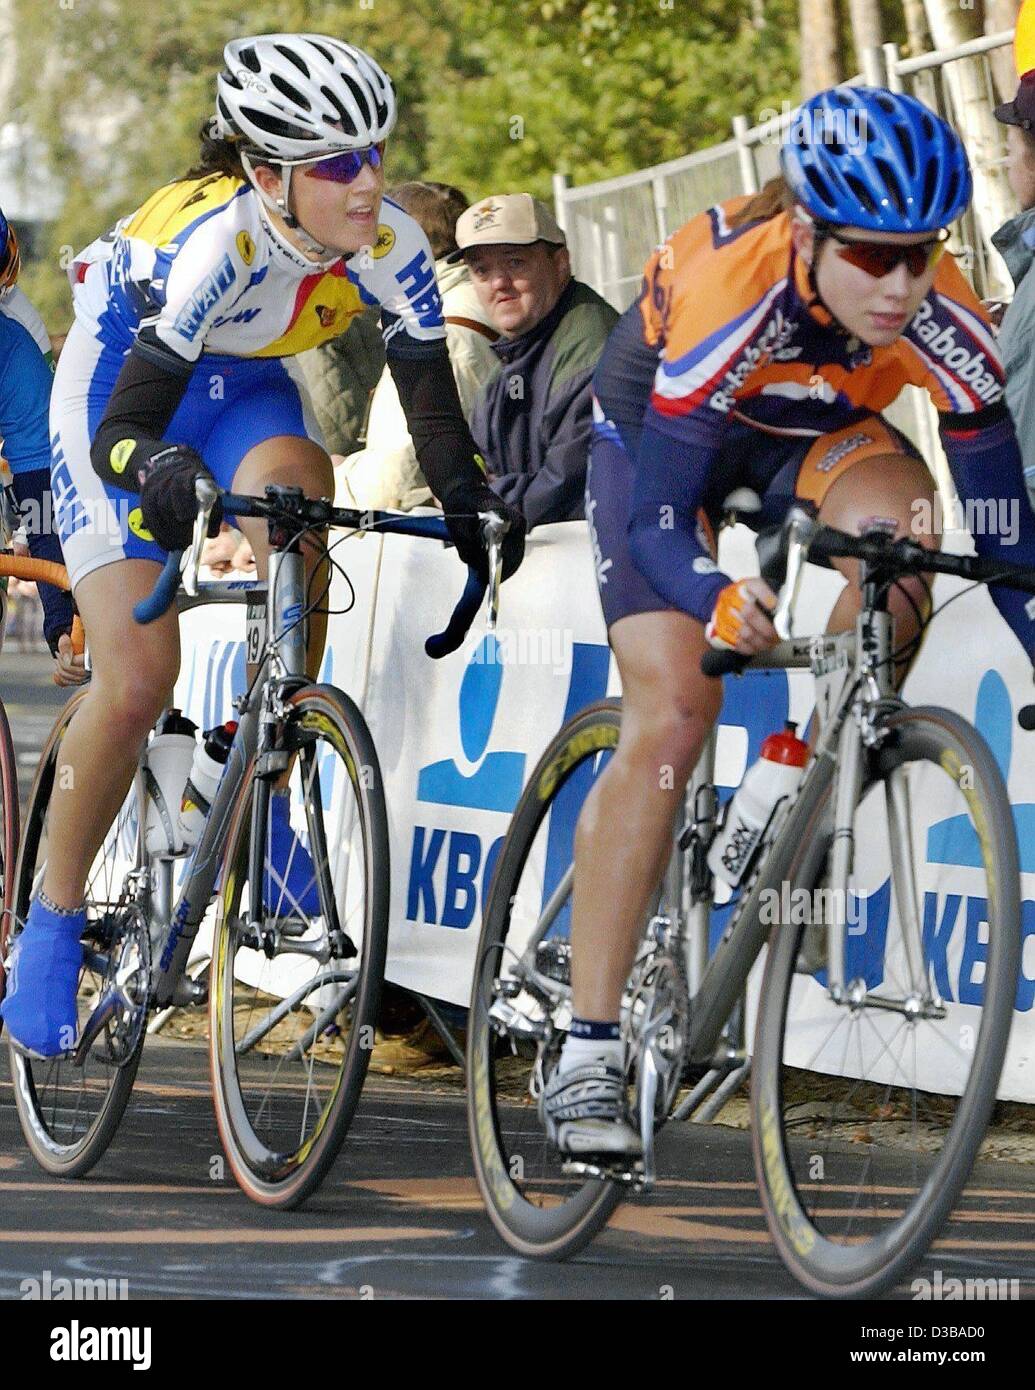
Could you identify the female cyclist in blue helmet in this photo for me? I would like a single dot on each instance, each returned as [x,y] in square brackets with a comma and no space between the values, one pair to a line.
[770,334]
[180,363]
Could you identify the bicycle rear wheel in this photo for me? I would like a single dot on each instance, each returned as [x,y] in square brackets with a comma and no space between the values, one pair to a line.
[515,1030]
[9,829]
[867,1115]
[294,995]
[69,1113]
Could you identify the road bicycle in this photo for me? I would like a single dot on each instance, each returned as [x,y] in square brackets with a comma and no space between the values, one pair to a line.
[868,1096]
[296,968]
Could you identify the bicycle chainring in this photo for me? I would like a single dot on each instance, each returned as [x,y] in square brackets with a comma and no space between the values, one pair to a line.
[656,1019]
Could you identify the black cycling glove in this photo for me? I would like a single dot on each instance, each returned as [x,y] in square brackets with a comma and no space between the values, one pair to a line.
[167,500]
[461,508]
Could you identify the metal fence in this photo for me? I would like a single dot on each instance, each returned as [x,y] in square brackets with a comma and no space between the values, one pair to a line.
[613,226]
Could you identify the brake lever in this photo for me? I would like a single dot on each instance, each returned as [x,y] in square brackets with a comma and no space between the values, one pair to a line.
[205,492]
[494,528]
[801,528]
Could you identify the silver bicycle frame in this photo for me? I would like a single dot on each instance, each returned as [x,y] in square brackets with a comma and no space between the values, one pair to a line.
[284,660]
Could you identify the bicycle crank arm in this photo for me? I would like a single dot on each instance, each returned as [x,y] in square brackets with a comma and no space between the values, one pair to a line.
[94,1026]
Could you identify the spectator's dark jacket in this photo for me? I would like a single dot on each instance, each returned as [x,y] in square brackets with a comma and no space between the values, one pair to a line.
[1015,242]
[532,419]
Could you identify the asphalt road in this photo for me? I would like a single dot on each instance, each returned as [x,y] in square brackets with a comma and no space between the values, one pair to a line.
[400,1215]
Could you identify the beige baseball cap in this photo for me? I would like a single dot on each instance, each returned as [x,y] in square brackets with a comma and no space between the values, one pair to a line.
[512,219]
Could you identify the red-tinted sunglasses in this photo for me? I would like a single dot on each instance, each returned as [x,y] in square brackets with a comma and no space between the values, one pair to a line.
[880,258]
[344,168]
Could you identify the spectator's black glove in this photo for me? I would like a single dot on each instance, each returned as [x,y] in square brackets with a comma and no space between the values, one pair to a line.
[461,510]
[167,501]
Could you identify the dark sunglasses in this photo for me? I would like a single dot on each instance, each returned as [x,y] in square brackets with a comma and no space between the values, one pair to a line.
[344,168]
[880,258]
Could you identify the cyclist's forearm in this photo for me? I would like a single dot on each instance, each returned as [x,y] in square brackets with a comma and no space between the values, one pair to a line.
[445,448]
[988,472]
[144,401]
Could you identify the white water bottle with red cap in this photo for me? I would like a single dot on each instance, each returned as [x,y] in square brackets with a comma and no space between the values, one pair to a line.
[775,777]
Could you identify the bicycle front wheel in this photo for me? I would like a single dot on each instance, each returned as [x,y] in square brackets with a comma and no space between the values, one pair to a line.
[296,975]
[521,1004]
[867,1113]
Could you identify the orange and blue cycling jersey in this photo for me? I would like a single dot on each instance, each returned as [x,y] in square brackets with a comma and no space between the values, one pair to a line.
[726,339]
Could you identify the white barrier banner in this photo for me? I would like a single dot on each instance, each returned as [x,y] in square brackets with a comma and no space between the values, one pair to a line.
[457,739]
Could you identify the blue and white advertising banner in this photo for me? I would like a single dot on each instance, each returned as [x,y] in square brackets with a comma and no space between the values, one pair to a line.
[457,739]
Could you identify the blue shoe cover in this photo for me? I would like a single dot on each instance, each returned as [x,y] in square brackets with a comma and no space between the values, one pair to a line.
[39,1008]
[291,889]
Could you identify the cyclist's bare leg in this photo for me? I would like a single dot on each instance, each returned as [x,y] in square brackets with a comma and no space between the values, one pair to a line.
[130,686]
[888,487]
[292,462]
[624,834]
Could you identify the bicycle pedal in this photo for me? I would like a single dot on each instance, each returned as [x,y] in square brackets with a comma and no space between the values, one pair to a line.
[607,1170]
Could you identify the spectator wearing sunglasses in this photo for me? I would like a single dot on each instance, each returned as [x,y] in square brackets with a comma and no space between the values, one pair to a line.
[385,473]
[180,365]
[769,335]
[1015,242]
[532,420]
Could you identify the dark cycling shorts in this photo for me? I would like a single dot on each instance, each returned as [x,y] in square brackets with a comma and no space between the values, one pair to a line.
[779,469]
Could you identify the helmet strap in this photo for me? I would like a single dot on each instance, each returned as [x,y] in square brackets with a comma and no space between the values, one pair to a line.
[820,235]
[281,206]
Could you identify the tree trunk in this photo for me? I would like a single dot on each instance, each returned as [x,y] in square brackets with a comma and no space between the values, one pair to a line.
[820,45]
[969,111]
[867,31]
[1001,15]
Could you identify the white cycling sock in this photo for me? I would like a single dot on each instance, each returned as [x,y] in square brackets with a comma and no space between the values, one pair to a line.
[576,1052]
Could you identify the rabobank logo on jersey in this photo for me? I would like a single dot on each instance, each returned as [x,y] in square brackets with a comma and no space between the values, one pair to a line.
[966,363]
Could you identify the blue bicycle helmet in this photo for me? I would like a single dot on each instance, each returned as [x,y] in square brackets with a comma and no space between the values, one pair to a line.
[879,160]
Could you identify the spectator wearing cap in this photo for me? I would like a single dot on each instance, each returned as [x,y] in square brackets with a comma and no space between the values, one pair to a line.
[1015,242]
[385,473]
[532,420]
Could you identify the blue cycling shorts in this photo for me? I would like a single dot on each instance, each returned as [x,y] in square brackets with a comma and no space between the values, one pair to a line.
[231,404]
[778,468]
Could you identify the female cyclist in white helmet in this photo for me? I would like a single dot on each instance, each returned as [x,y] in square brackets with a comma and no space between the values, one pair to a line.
[180,362]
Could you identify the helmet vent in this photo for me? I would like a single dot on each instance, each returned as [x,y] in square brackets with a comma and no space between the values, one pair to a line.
[292,57]
[347,123]
[891,184]
[274,125]
[250,59]
[862,193]
[292,93]
[908,150]
[819,186]
[930,185]
[361,98]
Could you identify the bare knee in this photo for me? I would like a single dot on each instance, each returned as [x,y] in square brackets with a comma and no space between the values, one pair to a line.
[134,698]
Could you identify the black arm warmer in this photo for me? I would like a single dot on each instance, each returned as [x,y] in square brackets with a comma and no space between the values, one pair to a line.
[445,448]
[148,391]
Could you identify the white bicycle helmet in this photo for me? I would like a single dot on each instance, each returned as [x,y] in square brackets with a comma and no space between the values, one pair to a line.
[296,97]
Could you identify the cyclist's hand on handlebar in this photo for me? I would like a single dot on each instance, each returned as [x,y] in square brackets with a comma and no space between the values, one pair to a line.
[740,620]
[461,515]
[70,667]
[167,499]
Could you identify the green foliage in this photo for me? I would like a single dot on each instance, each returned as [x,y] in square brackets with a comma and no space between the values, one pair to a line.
[492,97]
